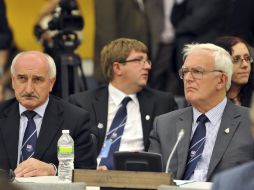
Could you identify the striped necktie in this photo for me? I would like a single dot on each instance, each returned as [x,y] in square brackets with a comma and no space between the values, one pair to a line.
[30,137]
[196,147]
[115,133]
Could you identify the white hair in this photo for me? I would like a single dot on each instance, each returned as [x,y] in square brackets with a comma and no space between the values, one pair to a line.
[50,61]
[222,59]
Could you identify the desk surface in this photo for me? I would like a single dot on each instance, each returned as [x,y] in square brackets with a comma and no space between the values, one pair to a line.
[52,183]
[49,183]
[188,186]
[51,186]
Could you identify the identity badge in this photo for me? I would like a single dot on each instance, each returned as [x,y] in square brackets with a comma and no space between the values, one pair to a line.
[105,149]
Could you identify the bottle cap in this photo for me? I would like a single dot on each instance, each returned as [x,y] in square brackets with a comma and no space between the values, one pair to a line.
[65,131]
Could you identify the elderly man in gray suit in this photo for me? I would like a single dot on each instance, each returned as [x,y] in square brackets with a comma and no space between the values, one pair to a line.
[217,134]
[240,177]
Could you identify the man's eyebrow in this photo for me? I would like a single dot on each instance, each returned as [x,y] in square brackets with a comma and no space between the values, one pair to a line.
[20,75]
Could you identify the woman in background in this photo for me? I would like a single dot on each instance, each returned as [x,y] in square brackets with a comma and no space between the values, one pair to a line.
[242,82]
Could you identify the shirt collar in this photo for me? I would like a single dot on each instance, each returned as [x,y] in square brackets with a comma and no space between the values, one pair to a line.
[214,114]
[40,110]
[117,95]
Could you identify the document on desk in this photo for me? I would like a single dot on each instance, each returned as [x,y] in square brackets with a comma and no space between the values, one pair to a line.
[45,179]
[40,179]
[193,184]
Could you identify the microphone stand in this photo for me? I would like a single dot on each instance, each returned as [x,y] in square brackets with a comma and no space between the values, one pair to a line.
[179,138]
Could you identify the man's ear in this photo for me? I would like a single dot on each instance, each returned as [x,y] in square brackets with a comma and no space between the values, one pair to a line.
[52,81]
[12,82]
[222,81]
[117,68]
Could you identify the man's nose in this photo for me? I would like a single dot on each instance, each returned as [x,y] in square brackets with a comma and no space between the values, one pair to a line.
[147,65]
[29,86]
[188,76]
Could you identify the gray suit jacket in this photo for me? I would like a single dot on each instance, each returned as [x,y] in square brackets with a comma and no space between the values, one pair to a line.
[237,178]
[230,149]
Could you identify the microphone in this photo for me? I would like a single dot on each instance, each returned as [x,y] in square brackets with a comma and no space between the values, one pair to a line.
[179,138]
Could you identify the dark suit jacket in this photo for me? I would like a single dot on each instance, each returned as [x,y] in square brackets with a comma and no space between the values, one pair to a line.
[241,20]
[5,32]
[152,103]
[230,149]
[199,21]
[59,115]
[237,178]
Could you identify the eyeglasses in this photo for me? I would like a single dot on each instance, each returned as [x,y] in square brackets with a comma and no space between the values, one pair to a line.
[238,60]
[139,61]
[196,73]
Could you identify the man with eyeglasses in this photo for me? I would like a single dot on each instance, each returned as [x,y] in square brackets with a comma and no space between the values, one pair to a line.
[216,132]
[126,67]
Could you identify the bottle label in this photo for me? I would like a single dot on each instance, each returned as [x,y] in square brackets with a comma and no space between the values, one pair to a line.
[65,150]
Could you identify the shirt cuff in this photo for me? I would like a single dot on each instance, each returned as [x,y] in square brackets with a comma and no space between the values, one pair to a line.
[55,168]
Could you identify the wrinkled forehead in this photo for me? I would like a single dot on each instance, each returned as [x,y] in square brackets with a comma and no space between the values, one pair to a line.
[35,55]
[199,58]
[35,59]
[32,63]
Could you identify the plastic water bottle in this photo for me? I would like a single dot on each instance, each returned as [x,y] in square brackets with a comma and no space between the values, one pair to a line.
[65,147]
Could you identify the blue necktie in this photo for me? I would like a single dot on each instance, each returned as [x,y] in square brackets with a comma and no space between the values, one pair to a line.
[115,133]
[196,147]
[30,137]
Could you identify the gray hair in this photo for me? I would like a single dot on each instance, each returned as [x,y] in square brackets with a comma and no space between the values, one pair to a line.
[222,59]
[50,61]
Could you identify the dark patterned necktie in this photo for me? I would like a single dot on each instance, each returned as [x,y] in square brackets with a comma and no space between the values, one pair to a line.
[196,147]
[115,133]
[30,137]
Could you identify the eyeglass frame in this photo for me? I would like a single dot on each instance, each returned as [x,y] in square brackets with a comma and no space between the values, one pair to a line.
[200,70]
[140,61]
[240,59]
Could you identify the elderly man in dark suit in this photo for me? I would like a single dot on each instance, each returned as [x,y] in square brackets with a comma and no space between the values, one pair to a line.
[29,145]
[126,66]
[217,134]
[240,177]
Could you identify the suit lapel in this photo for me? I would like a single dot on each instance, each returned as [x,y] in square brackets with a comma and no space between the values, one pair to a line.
[100,105]
[10,132]
[146,104]
[230,120]
[184,122]
[51,123]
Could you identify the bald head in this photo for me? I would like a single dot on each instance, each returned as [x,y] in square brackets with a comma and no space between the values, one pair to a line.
[33,78]
[45,58]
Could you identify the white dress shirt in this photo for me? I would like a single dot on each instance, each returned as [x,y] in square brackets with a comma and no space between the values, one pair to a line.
[214,115]
[23,123]
[132,138]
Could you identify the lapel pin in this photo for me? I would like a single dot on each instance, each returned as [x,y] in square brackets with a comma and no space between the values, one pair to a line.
[100,125]
[147,117]
[227,130]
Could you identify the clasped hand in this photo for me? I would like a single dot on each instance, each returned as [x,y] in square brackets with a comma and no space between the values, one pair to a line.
[33,167]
